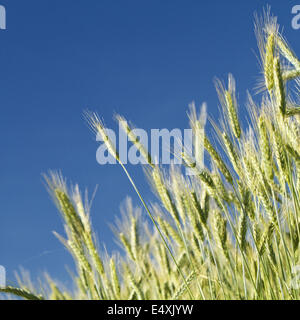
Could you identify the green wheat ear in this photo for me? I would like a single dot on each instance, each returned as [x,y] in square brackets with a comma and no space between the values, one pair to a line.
[135,140]
[232,107]
[287,52]
[265,147]
[269,62]
[22,293]
[279,87]
[217,158]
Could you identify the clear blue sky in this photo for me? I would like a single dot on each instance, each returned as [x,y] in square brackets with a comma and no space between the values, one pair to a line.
[144,59]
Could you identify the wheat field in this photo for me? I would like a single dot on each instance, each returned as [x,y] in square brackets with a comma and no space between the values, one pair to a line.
[231,231]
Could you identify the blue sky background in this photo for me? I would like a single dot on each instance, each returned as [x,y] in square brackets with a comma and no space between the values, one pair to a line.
[144,59]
